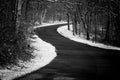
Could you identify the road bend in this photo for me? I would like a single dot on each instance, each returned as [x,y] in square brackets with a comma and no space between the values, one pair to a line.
[75,61]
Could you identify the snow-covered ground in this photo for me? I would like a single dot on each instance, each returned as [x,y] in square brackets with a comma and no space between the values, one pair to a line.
[44,53]
[66,33]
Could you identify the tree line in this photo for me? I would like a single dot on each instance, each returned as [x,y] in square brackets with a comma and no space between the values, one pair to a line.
[98,20]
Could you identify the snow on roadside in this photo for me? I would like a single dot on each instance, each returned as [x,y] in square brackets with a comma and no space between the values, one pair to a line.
[66,33]
[50,24]
[44,53]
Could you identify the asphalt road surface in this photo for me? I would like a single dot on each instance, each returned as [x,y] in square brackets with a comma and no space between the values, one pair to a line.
[75,61]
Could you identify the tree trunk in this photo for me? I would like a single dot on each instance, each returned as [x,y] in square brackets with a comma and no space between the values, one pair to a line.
[95,27]
[68,17]
[19,14]
[86,29]
[24,9]
[43,15]
[107,28]
[108,24]
[75,21]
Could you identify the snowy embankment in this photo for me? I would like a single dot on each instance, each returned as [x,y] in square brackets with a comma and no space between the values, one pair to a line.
[68,34]
[44,53]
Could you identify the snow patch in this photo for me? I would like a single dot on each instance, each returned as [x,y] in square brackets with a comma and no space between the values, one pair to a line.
[66,33]
[44,53]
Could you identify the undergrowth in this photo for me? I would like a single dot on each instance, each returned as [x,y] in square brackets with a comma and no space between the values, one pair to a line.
[14,46]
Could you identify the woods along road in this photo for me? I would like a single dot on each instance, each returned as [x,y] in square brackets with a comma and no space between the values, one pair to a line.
[75,61]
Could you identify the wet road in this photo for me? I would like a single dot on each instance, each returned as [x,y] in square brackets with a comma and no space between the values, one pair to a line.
[76,61]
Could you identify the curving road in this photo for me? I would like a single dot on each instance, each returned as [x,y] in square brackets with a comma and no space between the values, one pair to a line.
[76,61]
